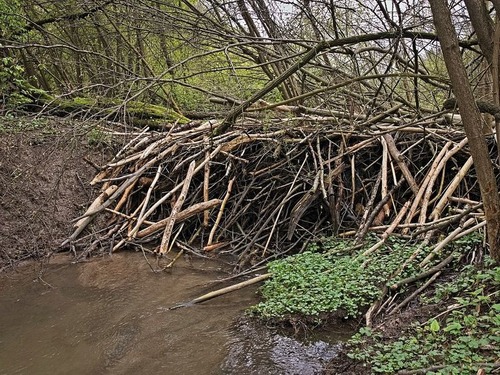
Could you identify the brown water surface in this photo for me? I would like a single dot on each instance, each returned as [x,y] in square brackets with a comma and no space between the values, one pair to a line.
[112,316]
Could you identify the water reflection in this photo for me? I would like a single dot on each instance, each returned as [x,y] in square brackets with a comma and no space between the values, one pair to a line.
[255,349]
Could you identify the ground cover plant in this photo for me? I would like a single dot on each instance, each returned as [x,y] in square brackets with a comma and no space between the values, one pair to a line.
[337,279]
[461,333]
[463,338]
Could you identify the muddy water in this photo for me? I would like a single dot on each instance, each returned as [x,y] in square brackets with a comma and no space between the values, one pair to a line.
[112,316]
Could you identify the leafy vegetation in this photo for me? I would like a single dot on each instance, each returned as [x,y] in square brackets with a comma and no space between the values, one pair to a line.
[331,277]
[99,138]
[11,80]
[11,21]
[150,63]
[12,124]
[337,280]
[462,339]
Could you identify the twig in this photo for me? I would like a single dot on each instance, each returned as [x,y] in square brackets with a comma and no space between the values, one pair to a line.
[396,155]
[221,211]
[427,273]
[415,293]
[83,222]
[441,245]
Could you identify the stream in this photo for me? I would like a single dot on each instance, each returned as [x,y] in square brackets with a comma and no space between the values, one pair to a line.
[112,315]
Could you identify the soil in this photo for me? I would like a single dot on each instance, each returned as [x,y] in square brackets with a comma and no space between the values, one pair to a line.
[44,183]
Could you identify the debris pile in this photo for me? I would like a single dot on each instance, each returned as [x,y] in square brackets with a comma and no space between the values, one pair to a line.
[268,187]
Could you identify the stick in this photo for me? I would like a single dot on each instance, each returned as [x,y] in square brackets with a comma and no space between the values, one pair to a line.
[393,150]
[423,275]
[433,171]
[125,196]
[181,216]
[175,259]
[415,293]
[171,220]
[221,211]
[206,182]
[364,229]
[451,188]
[446,241]
[389,230]
[220,292]
[171,192]
[384,185]
[146,201]
[365,223]
[83,222]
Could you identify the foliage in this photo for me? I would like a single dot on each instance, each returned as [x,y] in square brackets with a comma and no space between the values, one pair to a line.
[12,124]
[312,283]
[11,20]
[461,341]
[186,52]
[98,138]
[11,82]
[14,86]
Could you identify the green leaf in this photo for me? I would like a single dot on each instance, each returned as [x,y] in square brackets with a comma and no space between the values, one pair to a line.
[454,326]
[434,326]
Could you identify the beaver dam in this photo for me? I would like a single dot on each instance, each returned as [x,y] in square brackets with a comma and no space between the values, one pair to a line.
[268,186]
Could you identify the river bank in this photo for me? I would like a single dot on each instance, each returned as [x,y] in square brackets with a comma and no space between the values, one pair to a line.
[45,167]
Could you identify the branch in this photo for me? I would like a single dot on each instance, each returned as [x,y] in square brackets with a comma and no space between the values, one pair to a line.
[68,17]
[222,291]
[311,54]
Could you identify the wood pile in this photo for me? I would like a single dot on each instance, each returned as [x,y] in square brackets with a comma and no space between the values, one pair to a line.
[268,187]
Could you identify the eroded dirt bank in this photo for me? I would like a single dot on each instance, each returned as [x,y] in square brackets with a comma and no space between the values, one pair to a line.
[44,179]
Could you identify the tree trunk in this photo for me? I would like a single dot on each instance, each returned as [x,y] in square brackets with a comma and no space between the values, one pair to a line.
[483,26]
[472,122]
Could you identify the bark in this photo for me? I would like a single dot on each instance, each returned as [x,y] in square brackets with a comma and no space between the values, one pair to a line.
[496,4]
[483,26]
[471,119]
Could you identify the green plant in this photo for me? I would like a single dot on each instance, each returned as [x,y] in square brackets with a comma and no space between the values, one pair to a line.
[12,82]
[337,281]
[12,20]
[97,137]
[12,124]
[465,339]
